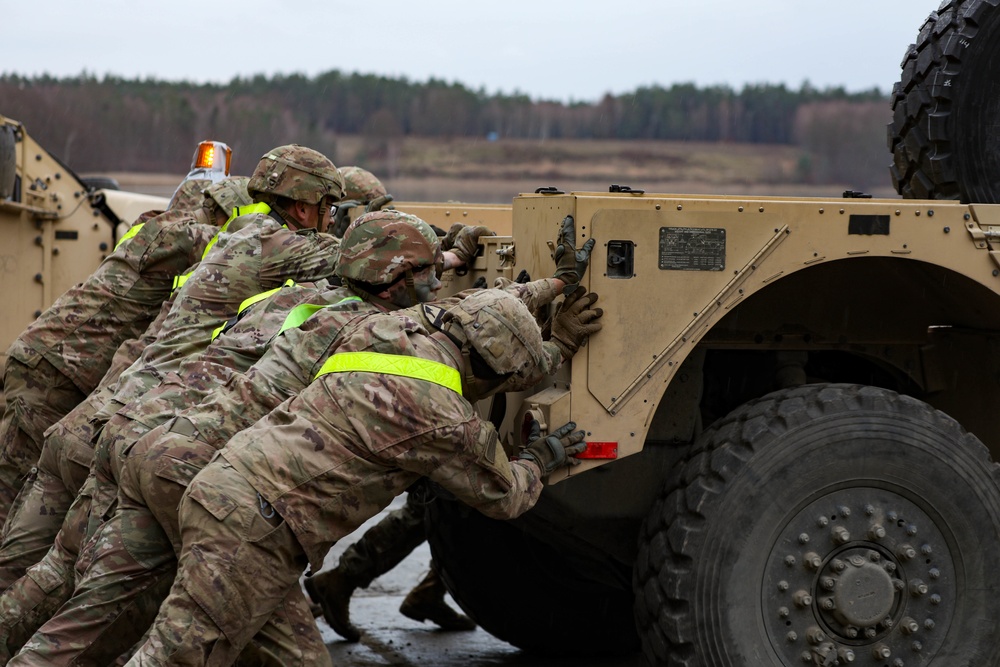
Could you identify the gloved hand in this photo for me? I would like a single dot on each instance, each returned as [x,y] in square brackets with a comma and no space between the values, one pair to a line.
[342,217]
[463,240]
[378,203]
[574,321]
[571,263]
[554,450]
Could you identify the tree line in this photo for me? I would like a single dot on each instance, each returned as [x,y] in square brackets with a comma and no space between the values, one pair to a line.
[112,123]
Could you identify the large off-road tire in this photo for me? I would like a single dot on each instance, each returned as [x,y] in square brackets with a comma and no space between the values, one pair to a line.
[823,523]
[943,132]
[526,592]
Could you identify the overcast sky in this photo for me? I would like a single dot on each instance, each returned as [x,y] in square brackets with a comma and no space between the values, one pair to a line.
[551,49]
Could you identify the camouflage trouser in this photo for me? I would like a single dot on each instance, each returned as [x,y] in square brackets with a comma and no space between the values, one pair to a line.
[34,598]
[238,571]
[36,398]
[386,544]
[51,487]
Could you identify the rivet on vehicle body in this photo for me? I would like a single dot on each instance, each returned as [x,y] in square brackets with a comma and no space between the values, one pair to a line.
[898,212]
[881,652]
[966,216]
[740,209]
[761,209]
[658,207]
[822,211]
[918,588]
[680,208]
[947,230]
[930,213]
[916,213]
[842,211]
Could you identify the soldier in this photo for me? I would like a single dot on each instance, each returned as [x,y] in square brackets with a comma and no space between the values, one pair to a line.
[362,188]
[384,246]
[393,404]
[62,356]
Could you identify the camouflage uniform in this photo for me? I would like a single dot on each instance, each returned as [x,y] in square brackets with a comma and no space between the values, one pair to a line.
[283,491]
[62,355]
[121,298]
[140,540]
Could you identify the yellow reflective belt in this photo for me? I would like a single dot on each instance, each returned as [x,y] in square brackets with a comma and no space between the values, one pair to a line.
[237,212]
[132,231]
[249,302]
[303,312]
[394,364]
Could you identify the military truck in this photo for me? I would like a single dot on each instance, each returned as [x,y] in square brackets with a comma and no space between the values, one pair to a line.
[791,411]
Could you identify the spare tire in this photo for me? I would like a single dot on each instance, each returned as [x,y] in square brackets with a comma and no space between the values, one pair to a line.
[942,134]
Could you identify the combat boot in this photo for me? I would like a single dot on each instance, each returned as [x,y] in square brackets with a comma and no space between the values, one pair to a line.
[332,590]
[426,603]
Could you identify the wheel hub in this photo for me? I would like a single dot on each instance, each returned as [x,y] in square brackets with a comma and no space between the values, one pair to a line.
[858,577]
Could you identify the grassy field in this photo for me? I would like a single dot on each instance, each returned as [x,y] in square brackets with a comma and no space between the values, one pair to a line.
[481,171]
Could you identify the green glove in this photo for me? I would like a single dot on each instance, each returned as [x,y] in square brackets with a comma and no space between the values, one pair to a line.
[378,203]
[342,217]
[571,263]
[575,320]
[463,240]
[554,450]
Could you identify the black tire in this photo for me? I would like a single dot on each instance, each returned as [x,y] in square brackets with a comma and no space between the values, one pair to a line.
[526,592]
[942,135]
[777,513]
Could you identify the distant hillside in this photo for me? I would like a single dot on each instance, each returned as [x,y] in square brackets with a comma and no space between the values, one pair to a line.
[429,130]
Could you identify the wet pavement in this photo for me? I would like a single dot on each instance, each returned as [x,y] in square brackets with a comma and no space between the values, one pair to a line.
[389,638]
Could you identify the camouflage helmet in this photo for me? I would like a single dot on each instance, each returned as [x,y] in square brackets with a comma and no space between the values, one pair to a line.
[188,195]
[295,172]
[379,247]
[227,194]
[503,331]
[361,185]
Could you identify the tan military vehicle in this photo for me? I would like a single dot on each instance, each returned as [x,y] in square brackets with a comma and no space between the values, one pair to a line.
[791,411]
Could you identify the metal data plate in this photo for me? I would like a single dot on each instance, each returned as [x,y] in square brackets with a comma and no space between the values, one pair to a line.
[692,249]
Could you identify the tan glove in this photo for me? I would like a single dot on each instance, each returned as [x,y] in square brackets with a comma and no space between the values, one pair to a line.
[463,240]
[574,321]
[571,263]
[378,203]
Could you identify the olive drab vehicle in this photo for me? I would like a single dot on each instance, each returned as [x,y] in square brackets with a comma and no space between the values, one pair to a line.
[791,410]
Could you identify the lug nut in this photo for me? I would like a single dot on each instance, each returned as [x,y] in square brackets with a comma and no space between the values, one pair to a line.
[812,560]
[876,532]
[918,588]
[845,656]
[906,552]
[829,604]
[829,583]
[881,652]
[815,635]
[870,633]
[838,565]
[841,535]
[802,598]
[909,626]
[851,632]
